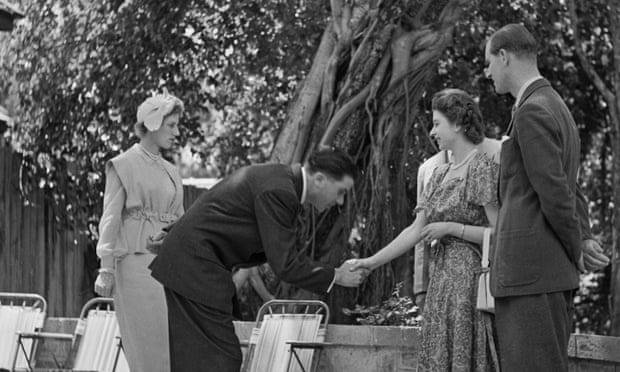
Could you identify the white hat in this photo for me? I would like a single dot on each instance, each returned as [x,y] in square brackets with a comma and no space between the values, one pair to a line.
[153,111]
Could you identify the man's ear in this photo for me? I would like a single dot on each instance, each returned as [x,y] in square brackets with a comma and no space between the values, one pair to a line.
[504,56]
[319,178]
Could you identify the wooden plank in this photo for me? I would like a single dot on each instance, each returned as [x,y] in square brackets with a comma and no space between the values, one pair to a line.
[55,274]
[581,365]
[4,197]
[29,248]
[41,253]
[603,348]
[79,271]
[14,244]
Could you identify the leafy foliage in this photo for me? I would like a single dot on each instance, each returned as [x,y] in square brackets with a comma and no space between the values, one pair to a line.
[74,73]
[591,310]
[397,310]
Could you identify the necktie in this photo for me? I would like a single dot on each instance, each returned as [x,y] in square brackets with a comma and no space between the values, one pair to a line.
[513,110]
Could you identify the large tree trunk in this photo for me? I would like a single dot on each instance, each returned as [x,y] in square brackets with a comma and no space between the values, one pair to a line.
[612,98]
[615,261]
[614,108]
[361,95]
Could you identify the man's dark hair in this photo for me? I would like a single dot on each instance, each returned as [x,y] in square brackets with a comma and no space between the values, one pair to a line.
[514,38]
[333,162]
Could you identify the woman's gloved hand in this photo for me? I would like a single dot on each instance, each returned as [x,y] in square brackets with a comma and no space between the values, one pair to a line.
[104,282]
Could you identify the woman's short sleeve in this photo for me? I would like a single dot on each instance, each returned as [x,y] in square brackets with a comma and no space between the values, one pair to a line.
[482,180]
[424,202]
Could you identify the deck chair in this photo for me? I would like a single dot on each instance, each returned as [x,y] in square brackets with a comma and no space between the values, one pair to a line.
[286,335]
[100,347]
[19,312]
[96,342]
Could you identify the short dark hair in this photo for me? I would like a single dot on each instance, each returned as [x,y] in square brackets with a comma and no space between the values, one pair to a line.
[460,109]
[333,162]
[514,38]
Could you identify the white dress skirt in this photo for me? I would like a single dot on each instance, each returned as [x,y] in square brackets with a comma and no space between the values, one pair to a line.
[141,310]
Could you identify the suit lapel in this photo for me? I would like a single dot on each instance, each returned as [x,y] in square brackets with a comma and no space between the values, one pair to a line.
[512,120]
[528,92]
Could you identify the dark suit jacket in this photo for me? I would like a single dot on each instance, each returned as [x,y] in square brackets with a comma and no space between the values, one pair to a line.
[245,219]
[538,233]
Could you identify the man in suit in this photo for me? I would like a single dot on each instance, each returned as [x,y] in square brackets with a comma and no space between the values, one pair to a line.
[538,247]
[246,219]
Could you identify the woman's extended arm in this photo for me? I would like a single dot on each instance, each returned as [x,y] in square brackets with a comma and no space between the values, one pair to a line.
[401,244]
[471,233]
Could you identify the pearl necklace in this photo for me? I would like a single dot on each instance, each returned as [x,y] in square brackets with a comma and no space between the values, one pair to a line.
[156,157]
[469,156]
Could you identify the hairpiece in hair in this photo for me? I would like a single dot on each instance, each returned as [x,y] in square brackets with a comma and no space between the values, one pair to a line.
[154,109]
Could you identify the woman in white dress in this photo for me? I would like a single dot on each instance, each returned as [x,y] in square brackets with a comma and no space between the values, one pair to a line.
[143,193]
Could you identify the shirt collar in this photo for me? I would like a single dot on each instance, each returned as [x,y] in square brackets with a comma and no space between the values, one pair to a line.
[524,87]
[304,188]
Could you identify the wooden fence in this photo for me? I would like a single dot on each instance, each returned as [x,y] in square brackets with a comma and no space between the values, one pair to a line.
[37,255]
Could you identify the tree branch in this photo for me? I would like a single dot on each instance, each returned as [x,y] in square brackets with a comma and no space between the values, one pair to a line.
[401,52]
[614,30]
[417,21]
[361,47]
[336,6]
[345,111]
[344,35]
[329,80]
[587,66]
[291,141]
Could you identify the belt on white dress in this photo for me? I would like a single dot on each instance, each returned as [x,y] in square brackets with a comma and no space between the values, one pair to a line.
[145,214]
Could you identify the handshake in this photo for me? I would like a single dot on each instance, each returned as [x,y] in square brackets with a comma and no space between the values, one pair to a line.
[352,272]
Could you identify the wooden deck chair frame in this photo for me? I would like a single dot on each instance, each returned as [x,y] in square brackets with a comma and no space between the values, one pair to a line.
[286,335]
[80,349]
[25,312]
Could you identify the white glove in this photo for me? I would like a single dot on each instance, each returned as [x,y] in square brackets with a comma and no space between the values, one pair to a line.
[104,283]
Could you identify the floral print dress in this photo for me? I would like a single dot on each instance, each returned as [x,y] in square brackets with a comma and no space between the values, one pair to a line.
[456,336]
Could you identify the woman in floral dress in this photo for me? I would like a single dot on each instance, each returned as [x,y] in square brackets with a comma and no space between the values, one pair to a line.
[457,205]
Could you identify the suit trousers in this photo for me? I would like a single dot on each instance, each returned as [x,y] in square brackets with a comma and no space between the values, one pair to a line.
[533,331]
[202,338]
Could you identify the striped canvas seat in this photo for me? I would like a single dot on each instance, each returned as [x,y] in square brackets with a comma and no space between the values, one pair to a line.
[99,346]
[19,312]
[279,323]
